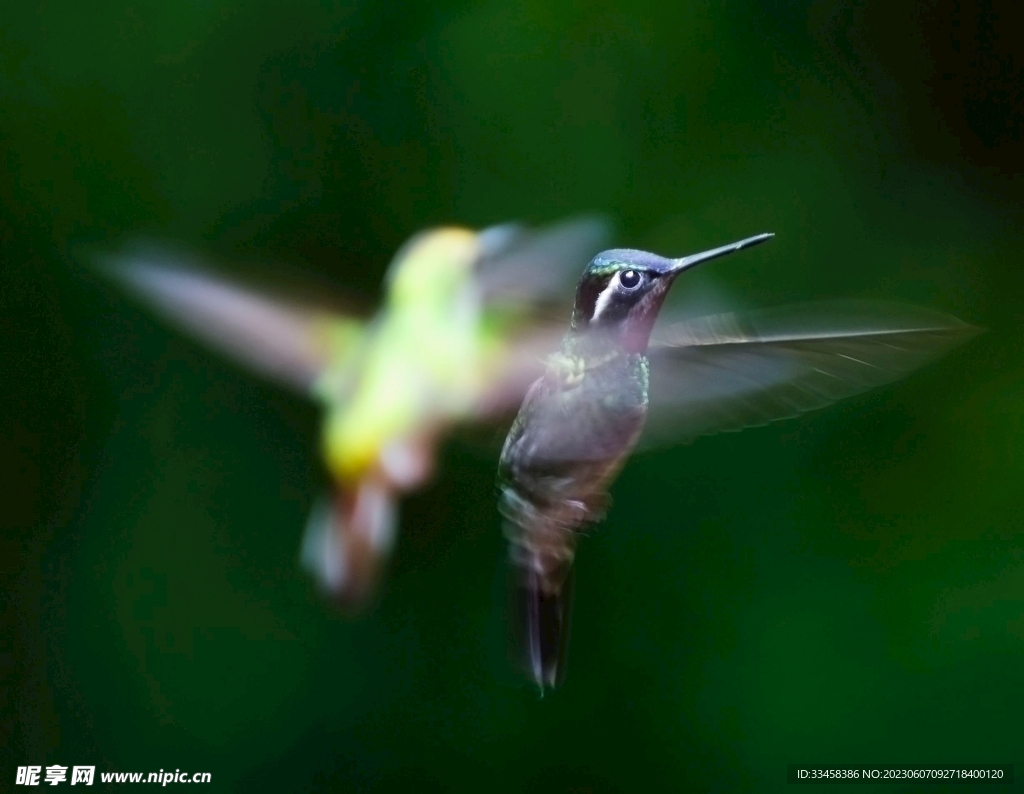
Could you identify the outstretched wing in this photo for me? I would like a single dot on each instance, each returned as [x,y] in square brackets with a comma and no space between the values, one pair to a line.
[534,272]
[521,265]
[290,343]
[729,371]
[521,363]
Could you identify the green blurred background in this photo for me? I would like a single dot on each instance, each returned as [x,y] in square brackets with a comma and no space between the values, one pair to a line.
[847,587]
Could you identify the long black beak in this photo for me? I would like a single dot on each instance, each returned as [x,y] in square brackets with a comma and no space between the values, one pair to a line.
[679,265]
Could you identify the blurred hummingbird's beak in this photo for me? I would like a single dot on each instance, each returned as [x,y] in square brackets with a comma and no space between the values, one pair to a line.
[677,266]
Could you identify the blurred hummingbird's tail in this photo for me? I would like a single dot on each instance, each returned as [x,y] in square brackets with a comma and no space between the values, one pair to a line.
[540,589]
[348,539]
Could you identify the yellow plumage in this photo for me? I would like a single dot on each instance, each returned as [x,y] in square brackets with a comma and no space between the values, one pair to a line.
[426,360]
[445,347]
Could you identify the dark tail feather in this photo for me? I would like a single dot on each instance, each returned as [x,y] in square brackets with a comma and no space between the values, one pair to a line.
[541,607]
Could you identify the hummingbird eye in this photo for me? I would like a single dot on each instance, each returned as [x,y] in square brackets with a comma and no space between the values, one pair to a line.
[630,279]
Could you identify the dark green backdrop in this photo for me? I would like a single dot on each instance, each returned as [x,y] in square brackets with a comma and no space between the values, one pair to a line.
[845,587]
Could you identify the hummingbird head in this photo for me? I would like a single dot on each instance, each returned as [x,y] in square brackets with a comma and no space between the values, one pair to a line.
[433,268]
[622,290]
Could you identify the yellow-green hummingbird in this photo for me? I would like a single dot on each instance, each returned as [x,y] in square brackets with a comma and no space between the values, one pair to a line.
[459,337]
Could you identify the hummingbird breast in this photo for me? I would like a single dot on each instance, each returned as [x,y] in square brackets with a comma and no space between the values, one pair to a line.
[577,426]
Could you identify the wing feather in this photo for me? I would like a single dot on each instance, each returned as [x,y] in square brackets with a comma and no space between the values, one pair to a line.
[537,266]
[289,343]
[728,371]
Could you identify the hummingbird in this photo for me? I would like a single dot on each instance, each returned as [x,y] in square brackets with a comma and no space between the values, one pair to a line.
[583,417]
[459,337]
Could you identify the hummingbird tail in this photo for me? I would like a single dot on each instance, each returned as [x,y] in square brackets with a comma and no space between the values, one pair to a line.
[348,539]
[541,588]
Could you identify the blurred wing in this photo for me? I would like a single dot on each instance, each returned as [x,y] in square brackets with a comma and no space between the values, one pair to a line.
[291,344]
[521,266]
[522,363]
[729,371]
[537,266]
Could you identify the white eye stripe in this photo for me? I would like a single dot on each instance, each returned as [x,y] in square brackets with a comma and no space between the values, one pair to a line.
[605,297]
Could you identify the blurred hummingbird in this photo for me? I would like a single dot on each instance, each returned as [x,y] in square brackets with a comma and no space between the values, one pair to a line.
[459,338]
[583,417]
